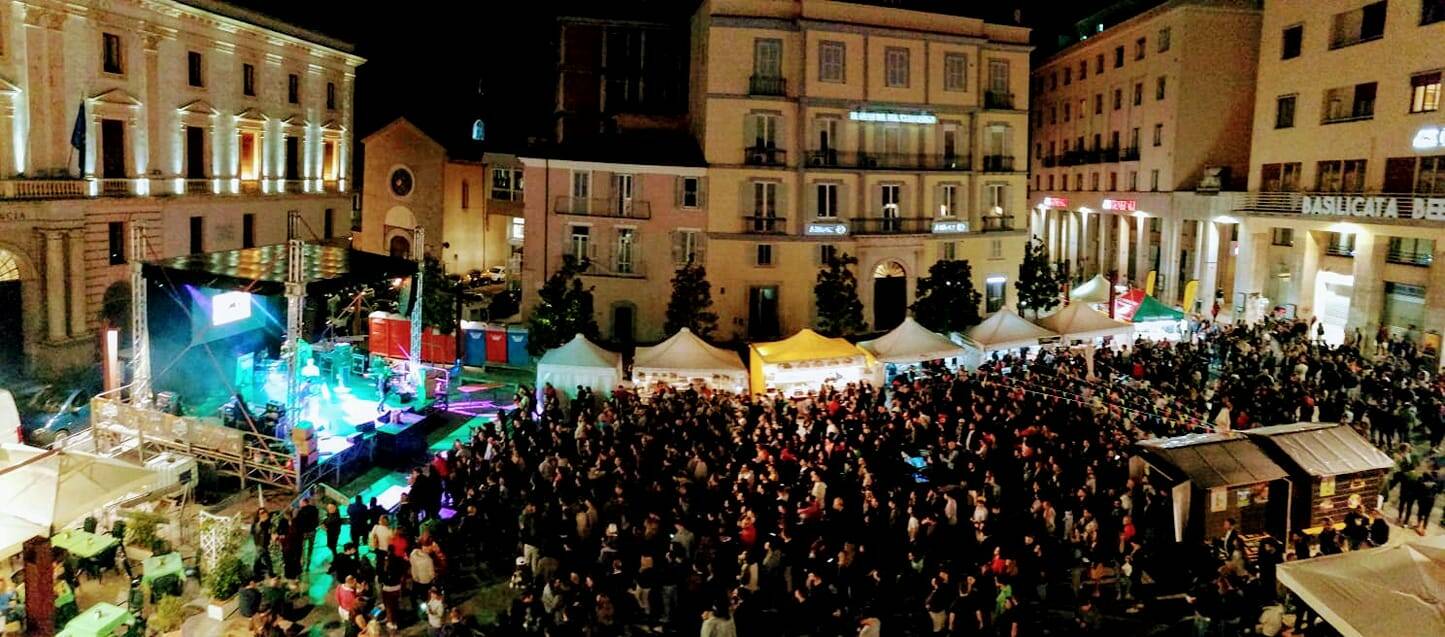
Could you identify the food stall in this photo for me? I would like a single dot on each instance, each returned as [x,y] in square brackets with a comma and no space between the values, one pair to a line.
[1332,468]
[1005,330]
[1214,477]
[909,345]
[805,361]
[685,360]
[582,363]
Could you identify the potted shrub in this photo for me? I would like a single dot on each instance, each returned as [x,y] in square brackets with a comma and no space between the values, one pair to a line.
[142,531]
[167,617]
[222,584]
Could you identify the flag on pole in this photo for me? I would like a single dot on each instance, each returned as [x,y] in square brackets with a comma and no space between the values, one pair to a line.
[77,134]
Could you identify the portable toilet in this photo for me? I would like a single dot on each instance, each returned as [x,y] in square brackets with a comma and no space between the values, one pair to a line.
[497,344]
[378,338]
[517,354]
[474,341]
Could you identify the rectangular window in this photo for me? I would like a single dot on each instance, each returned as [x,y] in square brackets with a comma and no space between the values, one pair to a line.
[1280,177]
[765,205]
[1360,25]
[691,192]
[248,80]
[112,60]
[1163,39]
[995,249]
[1284,111]
[1113,181]
[194,74]
[895,67]
[1068,106]
[996,198]
[762,131]
[1051,182]
[581,191]
[830,61]
[115,232]
[1068,76]
[1291,42]
[1083,69]
[581,242]
[827,201]
[1118,98]
[1133,180]
[1158,135]
[1341,244]
[1411,251]
[1094,181]
[955,72]
[995,291]
[1282,236]
[624,255]
[198,236]
[768,57]
[826,253]
[328,224]
[1134,138]
[330,96]
[1139,49]
[1098,103]
[1159,83]
[687,247]
[248,229]
[1340,176]
[1118,57]
[948,251]
[998,76]
[948,204]
[1099,64]
[1425,92]
[1154,180]
[1349,103]
[293,89]
[1429,177]
[1138,93]
[764,255]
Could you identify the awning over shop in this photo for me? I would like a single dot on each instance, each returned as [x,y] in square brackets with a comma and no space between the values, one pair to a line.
[912,343]
[1005,329]
[1380,592]
[1324,449]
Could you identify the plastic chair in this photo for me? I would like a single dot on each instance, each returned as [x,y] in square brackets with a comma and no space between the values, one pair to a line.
[90,525]
[117,530]
[168,585]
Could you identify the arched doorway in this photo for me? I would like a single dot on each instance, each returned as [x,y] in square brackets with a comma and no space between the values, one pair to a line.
[12,347]
[399,247]
[890,295]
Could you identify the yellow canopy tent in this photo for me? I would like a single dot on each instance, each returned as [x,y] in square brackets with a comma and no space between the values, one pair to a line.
[806,359]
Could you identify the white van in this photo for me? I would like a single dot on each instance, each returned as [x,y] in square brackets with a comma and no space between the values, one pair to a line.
[9,420]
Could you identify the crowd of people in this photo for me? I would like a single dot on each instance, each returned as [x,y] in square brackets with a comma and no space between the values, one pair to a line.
[947,503]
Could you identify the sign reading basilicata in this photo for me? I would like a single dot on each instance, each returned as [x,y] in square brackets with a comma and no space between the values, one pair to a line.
[1432,208]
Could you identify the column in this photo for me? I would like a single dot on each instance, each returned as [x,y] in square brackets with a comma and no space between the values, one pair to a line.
[1170,234]
[1250,269]
[1304,280]
[1122,262]
[1367,299]
[1071,239]
[37,90]
[78,317]
[1434,322]
[1083,257]
[152,147]
[1208,265]
[1102,249]
[1053,234]
[1141,249]
[54,285]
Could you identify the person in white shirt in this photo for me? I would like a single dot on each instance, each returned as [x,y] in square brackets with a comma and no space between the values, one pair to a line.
[436,613]
[380,538]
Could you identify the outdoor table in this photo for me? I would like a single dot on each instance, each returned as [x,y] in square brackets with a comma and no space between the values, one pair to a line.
[99,620]
[158,566]
[83,545]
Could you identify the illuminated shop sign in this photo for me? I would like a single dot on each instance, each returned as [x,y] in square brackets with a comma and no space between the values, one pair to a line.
[826,229]
[1432,208]
[950,227]
[1056,202]
[893,118]
[1120,205]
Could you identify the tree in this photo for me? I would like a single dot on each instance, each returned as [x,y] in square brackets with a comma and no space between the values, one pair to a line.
[836,292]
[564,308]
[691,298]
[1039,283]
[947,300]
[439,296]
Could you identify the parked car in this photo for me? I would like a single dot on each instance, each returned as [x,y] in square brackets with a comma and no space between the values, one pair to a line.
[497,274]
[56,412]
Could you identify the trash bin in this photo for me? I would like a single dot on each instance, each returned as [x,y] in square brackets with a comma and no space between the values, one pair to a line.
[497,344]
[474,340]
[517,354]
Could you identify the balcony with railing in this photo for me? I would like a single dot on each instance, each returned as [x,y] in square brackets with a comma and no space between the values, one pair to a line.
[998,100]
[998,163]
[117,187]
[250,186]
[764,224]
[1049,161]
[830,158]
[765,156]
[293,186]
[603,207]
[1129,153]
[991,223]
[198,187]
[1419,208]
[1071,158]
[82,188]
[44,188]
[767,85]
[1340,250]
[884,225]
[612,267]
[1109,154]
[1406,256]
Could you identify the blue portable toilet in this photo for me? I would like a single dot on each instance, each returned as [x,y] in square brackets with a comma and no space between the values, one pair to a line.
[474,343]
[517,354]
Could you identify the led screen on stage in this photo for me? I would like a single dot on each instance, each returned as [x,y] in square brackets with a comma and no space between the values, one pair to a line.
[216,314]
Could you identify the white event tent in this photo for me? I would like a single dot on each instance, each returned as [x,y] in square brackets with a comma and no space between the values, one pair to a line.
[910,344]
[1004,330]
[1379,592]
[580,363]
[46,491]
[1077,321]
[685,358]
[1095,290]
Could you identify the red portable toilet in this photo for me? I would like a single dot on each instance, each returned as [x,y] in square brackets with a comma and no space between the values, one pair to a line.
[398,330]
[497,344]
[378,338]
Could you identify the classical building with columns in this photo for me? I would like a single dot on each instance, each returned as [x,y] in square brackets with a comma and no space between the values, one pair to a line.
[197,122]
[1345,214]
[1140,132]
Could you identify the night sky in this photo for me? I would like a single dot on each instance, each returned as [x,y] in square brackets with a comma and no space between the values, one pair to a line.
[426,59]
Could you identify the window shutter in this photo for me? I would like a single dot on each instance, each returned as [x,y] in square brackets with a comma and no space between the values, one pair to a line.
[677,190]
[615,187]
[781,200]
[747,199]
[700,248]
[702,192]
[937,202]
[750,131]
[810,201]
[677,247]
